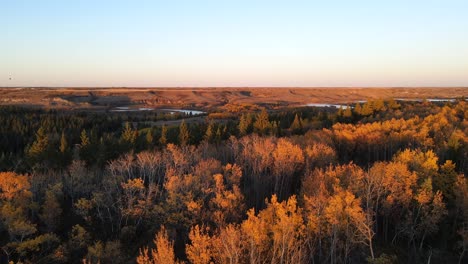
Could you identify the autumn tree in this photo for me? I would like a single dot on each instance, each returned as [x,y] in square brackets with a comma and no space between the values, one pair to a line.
[200,250]
[15,203]
[346,221]
[445,181]
[319,155]
[104,252]
[430,210]
[461,196]
[228,246]
[162,253]
[136,200]
[288,161]
[285,222]
[227,201]
[15,200]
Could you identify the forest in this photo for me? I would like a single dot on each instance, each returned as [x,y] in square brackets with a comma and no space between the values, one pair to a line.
[382,181]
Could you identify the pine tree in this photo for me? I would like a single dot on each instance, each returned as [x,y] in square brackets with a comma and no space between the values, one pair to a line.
[274,129]
[163,138]
[84,138]
[358,109]
[296,125]
[218,135]
[184,135]
[245,123]
[64,155]
[262,123]
[340,112]
[392,104]
[379,105]
[367,109]
[38,151]
[87,150]
[347,112]
[63,143]
[149,137]
[129,135]
[209,132]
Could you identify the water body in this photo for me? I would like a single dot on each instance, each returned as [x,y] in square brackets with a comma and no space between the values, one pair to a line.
[171,111]
[435,100]
[128,109]
[429,99]
[328,105]
[185,111]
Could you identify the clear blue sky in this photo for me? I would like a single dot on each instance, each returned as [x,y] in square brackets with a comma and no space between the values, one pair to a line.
[234,43]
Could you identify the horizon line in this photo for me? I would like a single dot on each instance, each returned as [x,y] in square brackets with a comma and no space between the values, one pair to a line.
[234,87]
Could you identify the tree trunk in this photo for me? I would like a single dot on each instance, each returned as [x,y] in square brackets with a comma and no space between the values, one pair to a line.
[461,256]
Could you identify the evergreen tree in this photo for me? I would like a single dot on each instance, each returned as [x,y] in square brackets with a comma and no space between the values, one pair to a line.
[63,143]
[84,138]
[367,109]
[87,150]
[38,151]
[296,126]
[64,156]
[347,112]
[149,137]
[262,123]
[392,104]
[209,132]
[379,105]
[129,135]
[245,124]
[340,112]
[358,109]
[218,135]
[184,135]
[163,138]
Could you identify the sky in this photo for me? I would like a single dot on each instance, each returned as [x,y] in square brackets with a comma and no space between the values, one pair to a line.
[234,43]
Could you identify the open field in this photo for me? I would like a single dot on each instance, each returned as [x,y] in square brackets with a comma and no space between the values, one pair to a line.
[207,98]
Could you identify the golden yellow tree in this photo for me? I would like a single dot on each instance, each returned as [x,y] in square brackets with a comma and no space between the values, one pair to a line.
[200,249]
[277,233]
[229,245]
[15,199]
[288,160]
[346,221]
[163,253]
[256,230]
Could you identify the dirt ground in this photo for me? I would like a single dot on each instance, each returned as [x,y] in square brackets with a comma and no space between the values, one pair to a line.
[208,98]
